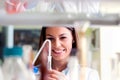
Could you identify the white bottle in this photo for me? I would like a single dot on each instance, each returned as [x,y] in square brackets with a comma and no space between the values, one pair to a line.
[13,66]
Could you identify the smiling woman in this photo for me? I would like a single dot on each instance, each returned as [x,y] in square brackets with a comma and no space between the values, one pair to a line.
[63,41]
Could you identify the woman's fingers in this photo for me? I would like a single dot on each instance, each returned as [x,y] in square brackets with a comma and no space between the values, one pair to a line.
[44,54]
[56,75]
[49,76]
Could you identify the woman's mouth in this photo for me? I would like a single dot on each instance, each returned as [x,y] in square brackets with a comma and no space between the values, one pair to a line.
[58,51]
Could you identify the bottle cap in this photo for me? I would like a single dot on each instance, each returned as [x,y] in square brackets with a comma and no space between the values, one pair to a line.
[15,51]
[36,69]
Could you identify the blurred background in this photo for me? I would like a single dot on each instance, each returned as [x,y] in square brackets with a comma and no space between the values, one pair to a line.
[99,20]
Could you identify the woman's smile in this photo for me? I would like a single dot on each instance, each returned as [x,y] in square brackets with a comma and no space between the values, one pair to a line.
[58,51]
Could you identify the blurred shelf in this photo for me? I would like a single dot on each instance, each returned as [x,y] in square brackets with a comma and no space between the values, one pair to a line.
[107,13]
[58,19]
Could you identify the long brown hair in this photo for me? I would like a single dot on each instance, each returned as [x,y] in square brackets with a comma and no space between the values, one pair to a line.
[75,46]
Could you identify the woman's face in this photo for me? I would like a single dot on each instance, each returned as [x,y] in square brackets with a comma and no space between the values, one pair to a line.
[61,39]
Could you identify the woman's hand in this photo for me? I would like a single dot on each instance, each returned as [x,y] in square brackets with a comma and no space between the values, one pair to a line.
[44,54]
[54,75]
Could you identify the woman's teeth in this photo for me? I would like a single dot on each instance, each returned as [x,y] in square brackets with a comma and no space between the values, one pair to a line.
[60,51]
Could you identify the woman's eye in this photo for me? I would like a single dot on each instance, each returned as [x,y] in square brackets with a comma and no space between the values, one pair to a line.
[50,39]
[63,37]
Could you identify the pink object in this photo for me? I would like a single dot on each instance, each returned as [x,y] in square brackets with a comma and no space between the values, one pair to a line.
[15,6]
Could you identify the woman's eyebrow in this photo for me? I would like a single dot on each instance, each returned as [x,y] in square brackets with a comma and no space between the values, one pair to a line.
[49,35]
[63,34]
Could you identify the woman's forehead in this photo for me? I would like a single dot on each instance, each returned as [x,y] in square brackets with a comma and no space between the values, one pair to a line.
[57,31]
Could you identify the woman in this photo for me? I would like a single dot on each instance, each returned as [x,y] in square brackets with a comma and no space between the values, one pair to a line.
[64,41]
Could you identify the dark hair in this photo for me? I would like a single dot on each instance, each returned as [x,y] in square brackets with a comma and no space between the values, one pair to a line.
[75,45]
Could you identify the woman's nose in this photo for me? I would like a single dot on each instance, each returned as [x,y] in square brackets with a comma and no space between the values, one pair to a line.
[56,43]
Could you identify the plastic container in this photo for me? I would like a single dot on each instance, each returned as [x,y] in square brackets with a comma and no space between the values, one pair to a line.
[13,66]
